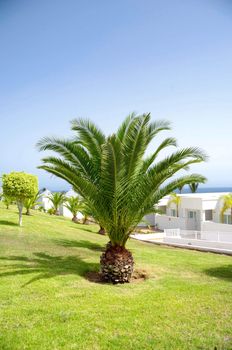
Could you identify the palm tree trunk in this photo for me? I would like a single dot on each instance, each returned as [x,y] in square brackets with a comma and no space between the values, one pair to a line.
[102,231]
[28,212]
[85,220]
[117,264]
[222,218]
[75,219]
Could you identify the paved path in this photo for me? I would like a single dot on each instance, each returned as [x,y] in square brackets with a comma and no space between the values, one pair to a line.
[158,238]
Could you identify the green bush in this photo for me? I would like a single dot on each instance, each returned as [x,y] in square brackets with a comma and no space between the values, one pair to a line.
[20,187]
[51,211]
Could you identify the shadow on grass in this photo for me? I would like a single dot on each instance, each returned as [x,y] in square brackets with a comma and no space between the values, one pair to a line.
[79,244]
[223,272]
[47,266]
[84,229]
[8,223]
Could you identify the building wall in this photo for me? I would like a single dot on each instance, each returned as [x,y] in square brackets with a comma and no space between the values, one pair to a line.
[67,213]
[148,220]
[46,203]
[166,222]
[215,227]
[191,203]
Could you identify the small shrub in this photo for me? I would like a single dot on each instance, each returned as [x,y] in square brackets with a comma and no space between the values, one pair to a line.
[51,211]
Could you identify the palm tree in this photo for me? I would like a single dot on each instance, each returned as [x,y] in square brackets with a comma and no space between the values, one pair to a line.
[88,213]
[57,198]
[180,188]
[7,201]
[175,199]
[73,204]
[193,187]
[227,204]
[120,184]
[30,203]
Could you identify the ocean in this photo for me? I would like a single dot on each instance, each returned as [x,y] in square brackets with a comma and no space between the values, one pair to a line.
[208,189]
[187,190]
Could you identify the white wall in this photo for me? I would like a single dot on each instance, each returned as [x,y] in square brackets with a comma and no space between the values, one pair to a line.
[166,222]
[209,204]
[148,220]
[216,236]
[191,203]
[46,203]
[67,213]
[215,227]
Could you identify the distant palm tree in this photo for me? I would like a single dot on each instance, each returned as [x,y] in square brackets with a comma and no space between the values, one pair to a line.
[73,204]
[7,201]
[194,186]
[180,188]
[116,178]
[227,204]
[30,203]
[175,199]
[57,198]
[89,212]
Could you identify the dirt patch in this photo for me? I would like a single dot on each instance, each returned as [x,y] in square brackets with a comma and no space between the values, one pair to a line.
[137,277]
[94,276]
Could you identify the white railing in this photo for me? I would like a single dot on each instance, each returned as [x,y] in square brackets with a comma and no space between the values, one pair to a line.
[209,236]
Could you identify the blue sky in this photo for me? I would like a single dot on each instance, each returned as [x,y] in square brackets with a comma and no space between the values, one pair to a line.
[62,59]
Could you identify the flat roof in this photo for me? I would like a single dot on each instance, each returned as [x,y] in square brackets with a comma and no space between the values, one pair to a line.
[203,196]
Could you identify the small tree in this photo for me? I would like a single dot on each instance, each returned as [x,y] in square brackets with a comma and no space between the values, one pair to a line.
[7,201]
[227,204]
[57,198]
[175,199]
[30,203]
[88,212]
[19,186]
[74,205]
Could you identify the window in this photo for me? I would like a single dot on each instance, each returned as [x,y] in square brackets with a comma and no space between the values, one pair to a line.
[208,215]
[192,214]
[173,212]
[227,219]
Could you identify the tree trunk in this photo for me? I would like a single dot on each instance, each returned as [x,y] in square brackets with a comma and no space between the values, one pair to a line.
[75,219]
[57,212]
[28,212]
[102,231]
[117,264]
[20,208]
[85,220]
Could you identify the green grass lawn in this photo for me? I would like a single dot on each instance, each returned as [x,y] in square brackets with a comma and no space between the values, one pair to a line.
[46,302]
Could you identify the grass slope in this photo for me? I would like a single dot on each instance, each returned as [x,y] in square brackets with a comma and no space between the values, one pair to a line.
[47,303]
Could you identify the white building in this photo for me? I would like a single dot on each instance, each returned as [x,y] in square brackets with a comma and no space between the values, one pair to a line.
[197,211]
[43,200]
[64,211]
